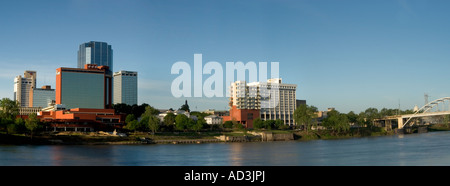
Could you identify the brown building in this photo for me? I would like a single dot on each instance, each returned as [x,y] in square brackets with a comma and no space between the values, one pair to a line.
[242,116]
[82,119]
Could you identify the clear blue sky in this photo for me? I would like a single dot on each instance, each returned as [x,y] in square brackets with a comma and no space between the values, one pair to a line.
[347,54]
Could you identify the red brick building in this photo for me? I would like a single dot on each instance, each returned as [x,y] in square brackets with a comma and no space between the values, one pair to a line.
[81,119]
[243,116]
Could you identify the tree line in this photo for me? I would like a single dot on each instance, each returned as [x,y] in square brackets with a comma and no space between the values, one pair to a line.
[149,121]
[306,116]
[11,124]
[145,118]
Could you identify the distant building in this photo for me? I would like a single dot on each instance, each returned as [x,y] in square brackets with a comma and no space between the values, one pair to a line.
[324,114]
[90,87]
[125,87]
[217,112]
[41,97]
[81,119]
[285,106]
[213,120]
[96,53]
[300,102]
[176,112]
[25,111]
[23,86]
[247,98]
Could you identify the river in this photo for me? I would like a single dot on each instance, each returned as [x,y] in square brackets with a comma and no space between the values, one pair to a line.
[413,149]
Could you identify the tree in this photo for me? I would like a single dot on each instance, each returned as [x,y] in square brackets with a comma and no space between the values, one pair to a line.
[228,124]
[336,121]
[279,124]
[352,117]
[304,115]
[20,125]
[129,118]
[136,110]
[197,126]
[122,108]
[150,111]
[9,109]
[131,122]
[362,119]
[32,123]
[143,124]
[132,125]
[181,122]
[153,124]
[169,119]
[185,107]
[371,114]
[237,125]
[258,123]
[269,124]
[145,118]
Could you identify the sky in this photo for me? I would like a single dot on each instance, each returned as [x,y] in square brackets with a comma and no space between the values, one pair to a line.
[346,54]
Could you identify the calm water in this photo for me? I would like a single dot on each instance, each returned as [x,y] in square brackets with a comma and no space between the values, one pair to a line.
[414,149]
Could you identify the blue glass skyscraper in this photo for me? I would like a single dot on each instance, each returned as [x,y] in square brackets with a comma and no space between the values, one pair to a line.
[94,52]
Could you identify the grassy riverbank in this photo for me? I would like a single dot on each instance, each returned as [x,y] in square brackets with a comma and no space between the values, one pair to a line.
[352,133]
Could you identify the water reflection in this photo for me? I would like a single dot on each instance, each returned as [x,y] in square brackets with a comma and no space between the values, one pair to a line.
[235,154]
[79,155]
[414,149]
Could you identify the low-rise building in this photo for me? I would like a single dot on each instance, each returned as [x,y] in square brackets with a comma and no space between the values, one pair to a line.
[82,119]
[213,120]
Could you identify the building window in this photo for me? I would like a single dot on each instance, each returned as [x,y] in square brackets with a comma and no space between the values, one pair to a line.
[250,116]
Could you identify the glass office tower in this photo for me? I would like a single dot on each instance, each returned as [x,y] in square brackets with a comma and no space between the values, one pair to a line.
[94,52]
[90,87]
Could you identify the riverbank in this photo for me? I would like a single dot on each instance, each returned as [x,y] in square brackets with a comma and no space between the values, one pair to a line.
[103,138]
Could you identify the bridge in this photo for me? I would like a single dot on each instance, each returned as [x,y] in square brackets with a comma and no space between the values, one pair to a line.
[425,111]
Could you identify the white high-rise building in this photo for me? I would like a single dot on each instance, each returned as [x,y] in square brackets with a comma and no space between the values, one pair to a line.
[254,95]
[23,86]
[125,87]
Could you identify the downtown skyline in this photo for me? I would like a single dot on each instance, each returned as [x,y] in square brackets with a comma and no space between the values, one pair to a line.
[350,55]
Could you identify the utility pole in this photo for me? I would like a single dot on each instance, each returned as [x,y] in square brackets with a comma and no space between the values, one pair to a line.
[426,98]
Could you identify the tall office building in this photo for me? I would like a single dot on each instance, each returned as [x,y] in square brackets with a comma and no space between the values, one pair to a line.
[284,104]
[97,53]
[90,87]
[41,97]
[23,86]
[125,87]
[249,99]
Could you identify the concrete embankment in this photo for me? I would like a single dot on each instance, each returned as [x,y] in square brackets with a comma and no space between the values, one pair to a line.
[186,141]
[270,136]
[257,136]
[410,130]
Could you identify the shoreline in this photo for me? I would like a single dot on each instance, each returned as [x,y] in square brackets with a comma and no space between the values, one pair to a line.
[96,138]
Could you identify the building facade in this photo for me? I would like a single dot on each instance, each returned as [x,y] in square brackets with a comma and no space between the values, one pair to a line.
[284,104]
[23,86]
[41,97]
[125,87]
[94,52]
[82,119]
[272,100]
[90,87]
[213,120]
